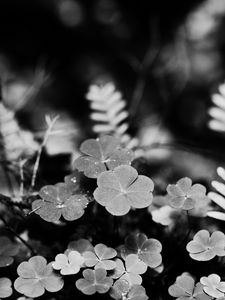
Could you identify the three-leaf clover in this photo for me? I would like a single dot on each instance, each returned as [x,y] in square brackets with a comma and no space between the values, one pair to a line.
[204,247]
[213,285]
[100,258]
[184,195]
[5,287]
[72,182]
[137,292]
[58,201]
[148,250]
[94,281]
[36,276]
[131,270]
[185,289]
[119,289]
[70,264]
[122,290]
[161,212]
[80,245]
[7,251]
[101,155]
[123,188]
[163,215]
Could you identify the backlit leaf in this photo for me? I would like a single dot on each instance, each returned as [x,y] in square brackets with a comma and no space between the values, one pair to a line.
[184,195]
[5,287]
[148,250]
[94,281]
[213,285]
[137,292]
[102,154]
[130,270]
[185,289]
[123,188]
[119,289]
[7,251]
[204,247]
[122,290]
[36,276]
[81,246]
[100,258]
[58,201]
[68,264]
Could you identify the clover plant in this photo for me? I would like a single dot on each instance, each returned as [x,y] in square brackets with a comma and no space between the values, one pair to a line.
[97,213]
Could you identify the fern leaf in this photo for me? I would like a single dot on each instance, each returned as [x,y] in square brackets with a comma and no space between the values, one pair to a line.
[217,112]
[218,197]
[109,114]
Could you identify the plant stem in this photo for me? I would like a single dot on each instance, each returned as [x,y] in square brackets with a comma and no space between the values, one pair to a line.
[9,228]
[21,164]
[189,228]
[8,179]
[37,162]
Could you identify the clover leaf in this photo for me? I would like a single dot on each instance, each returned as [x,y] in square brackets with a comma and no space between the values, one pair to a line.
[70,264]
[131,270]
[163,215]
[81,246]
[185,289]
[57,200]
[100,258]
[101,155]
[213,285]
[7,251]
[5,287]
[36,276]
[148,250]
[161,212]
[202,206]
[123,188]
[137,292]
[94,281]
[72,182]
[184,195]
[204,247]
[122,290]
[119,289]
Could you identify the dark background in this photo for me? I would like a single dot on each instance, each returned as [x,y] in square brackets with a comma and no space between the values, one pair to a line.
[152,46]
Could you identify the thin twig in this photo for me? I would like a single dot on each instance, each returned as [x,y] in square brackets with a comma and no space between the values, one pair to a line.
[9,228]
[50,124]
[21,164]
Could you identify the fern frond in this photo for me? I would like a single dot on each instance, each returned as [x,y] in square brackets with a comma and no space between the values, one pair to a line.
[219,196]
[217,112]
[109,112]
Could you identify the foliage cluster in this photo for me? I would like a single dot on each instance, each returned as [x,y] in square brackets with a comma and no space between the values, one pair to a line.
[94,208]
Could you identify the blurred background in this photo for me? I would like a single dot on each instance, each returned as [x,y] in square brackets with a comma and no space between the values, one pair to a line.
[166,58]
